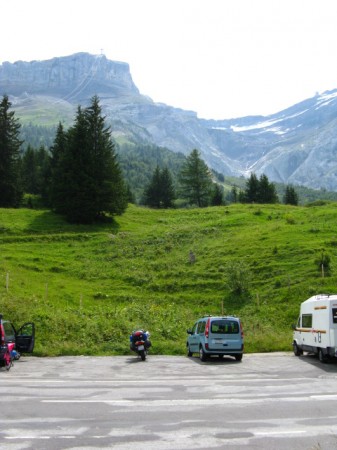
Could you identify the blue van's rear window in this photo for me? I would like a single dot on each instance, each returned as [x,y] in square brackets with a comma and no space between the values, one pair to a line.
[225,327]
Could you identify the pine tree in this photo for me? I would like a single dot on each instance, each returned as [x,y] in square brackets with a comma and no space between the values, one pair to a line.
[87,180]
[10,185]
[217,195]
[29,171]
[152,193]
[260,190]
[58,175]
[234,194]
[167,190]
[290,196]
[252,189]
[34,170]
[266,191]
[160,191]
[195,180]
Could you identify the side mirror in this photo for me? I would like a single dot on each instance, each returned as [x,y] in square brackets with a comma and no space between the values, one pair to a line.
[189,331]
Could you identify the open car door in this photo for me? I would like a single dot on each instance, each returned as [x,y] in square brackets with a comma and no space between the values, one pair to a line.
[25,338]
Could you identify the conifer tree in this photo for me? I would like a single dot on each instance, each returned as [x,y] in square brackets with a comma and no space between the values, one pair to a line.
[10,184]
[29,171]
[160,191]
[217,195]
[58,175]
[266,191]
[252,189]
[234,194]
[167,189]
[195,180]
[290,196]
[91,182]
[152,193]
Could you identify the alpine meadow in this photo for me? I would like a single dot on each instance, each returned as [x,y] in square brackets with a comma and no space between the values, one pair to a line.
[87,287]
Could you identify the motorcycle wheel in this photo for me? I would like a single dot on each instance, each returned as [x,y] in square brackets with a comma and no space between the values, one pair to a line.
[142,355]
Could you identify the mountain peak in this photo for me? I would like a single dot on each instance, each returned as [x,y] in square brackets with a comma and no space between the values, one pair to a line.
[75,77]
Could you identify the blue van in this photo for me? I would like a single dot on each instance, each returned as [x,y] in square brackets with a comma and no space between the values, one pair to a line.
[214,335]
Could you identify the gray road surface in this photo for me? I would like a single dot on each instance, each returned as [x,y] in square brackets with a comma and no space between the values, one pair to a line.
[268,401]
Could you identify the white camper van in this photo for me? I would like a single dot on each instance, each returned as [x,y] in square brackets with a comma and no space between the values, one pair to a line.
[316,329]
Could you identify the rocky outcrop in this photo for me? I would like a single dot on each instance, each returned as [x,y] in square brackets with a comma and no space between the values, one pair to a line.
[74,77]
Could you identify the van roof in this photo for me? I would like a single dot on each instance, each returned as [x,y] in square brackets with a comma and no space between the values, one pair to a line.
[320,297]
[221,317]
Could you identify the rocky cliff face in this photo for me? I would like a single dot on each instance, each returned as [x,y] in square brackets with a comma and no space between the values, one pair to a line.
[74,77]
[297,145]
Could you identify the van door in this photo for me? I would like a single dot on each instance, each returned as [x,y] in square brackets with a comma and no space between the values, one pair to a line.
[193,339]
[25,338]
[225,335]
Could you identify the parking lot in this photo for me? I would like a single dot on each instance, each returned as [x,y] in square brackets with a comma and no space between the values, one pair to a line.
[267,401]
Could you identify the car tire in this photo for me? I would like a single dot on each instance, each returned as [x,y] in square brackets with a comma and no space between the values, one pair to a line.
[238,357]
[189,353]
[297,350]
[321,356]
[202,354]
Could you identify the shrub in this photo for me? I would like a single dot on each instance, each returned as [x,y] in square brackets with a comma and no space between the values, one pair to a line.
[238,277]
[323,263]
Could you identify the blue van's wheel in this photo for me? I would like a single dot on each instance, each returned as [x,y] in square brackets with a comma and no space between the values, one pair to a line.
[189,353]
[238,357]
[202,354]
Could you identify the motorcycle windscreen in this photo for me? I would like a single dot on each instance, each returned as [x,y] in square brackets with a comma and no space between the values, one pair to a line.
[25,338]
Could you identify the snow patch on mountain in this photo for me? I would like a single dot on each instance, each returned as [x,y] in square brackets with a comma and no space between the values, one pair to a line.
[325,99]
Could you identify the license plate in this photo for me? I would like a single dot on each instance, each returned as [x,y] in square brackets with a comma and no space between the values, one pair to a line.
[218,341]
[140,347]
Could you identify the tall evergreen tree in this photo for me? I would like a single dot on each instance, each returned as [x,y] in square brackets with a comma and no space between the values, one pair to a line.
[290,196]
[91,180]
[160,191]
[217,198]
[266,191]
[34,171]
[167,188]
[152,193]
[10,184]
[29,171]
[252,189]
[58,175]
[195,180]
[234,194]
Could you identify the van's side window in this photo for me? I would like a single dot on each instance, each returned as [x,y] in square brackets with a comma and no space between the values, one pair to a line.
[306,320]
[334,315]
[194,329]
[201,327]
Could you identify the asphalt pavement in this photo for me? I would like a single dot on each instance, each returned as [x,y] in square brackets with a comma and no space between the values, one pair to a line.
[270,401]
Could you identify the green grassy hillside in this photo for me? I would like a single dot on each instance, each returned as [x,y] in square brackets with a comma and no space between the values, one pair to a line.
[87,287]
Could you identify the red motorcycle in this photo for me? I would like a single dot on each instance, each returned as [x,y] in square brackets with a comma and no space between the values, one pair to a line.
[140,343]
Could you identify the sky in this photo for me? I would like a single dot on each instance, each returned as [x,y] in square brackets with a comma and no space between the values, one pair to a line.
[220,58]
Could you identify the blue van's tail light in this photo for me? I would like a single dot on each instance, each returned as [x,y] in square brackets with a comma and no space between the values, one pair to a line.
[206,346]
[207,328]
